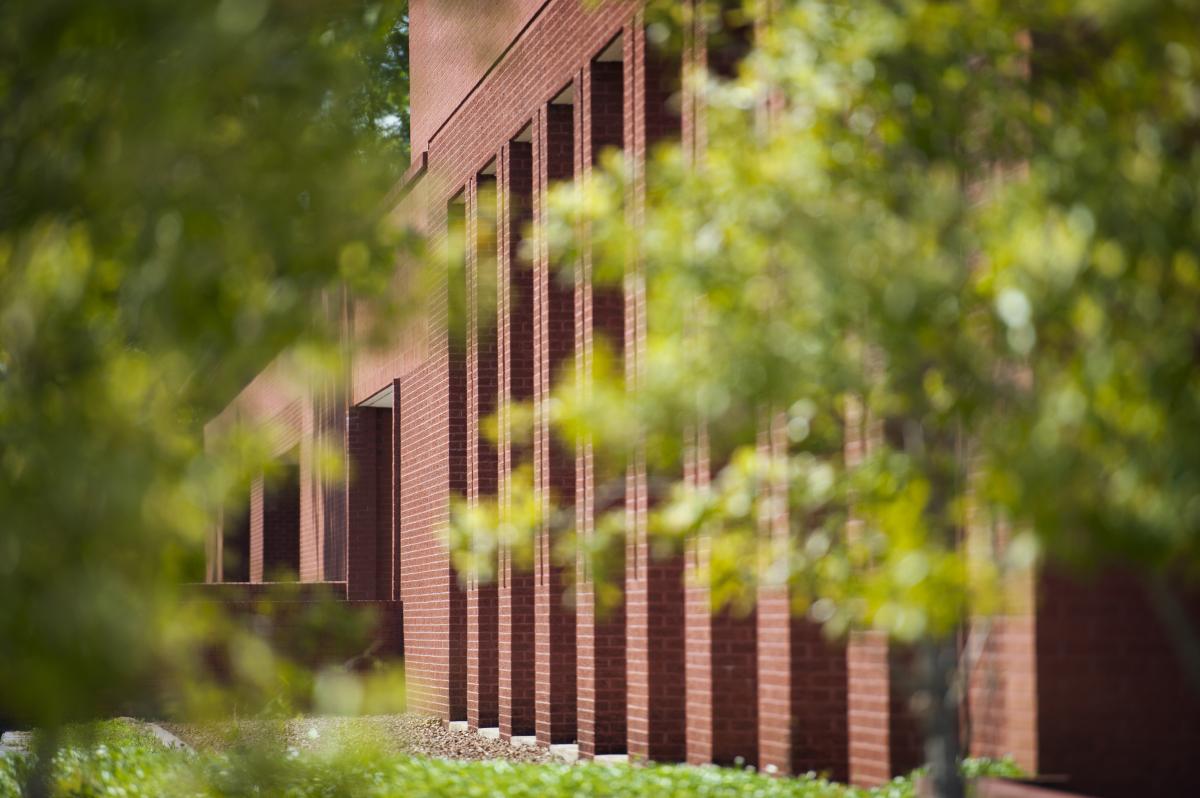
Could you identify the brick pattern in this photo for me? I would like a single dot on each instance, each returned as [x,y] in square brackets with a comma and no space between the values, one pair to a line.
[256,530]
[482,601]
[721,650]
[802,677]
[452,44]
[435,617]
[395,589]
[818,701]
[868,711]
[722,674]
[722,646]
[1000,656]
[458,451]
[599,311]
[323,520]
[554,48]
[1115,712]
[516,378]
[882,736]
[272,400]
[656,694]
[1002,690]
[554,470]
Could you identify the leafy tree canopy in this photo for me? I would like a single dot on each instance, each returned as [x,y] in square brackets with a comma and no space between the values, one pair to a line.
[179,184]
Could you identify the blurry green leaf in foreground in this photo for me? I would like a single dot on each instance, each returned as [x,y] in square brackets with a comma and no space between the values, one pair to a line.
[941,258]
[947,253]
[179,184]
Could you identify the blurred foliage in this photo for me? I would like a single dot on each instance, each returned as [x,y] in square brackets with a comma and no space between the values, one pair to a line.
[181,186]
[279,655]
[358,770]
[964,233]
[385,92]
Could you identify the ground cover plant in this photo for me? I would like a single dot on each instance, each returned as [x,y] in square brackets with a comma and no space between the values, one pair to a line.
[140,767]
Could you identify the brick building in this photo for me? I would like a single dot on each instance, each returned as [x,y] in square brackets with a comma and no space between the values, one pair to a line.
[507,98]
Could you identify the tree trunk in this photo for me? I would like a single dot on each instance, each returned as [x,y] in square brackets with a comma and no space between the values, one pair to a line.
[1178,627]
[39,781]
[938,669]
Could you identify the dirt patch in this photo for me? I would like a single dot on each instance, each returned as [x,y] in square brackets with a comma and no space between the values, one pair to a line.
[408,734]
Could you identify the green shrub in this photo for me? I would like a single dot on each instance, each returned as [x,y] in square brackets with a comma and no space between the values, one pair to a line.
[134,770]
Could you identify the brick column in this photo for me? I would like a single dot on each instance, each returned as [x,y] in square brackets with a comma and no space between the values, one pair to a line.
[328,561]
[722,647]
[256,529]
[883,739]
[457,450]
[1000,656]
[432,415]
[599,317]
[801,675]
[515,338]
[654,587]
[721,660]
[309,545]
[394,589]
[482,620]
[554,467]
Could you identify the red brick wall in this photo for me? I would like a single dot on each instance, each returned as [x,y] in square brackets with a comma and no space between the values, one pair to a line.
[775,706]
[452,44]
[256,529]
[722,643]
[482,620]
[1001,657]
[458,449]
[721,649]
[554,471]
[1114,709]
[802,677]
[515,327]
[558,41]
[599,314]
[435,634]
[395,589]
[273,402]
[883,741]
[654,587]
[819,701]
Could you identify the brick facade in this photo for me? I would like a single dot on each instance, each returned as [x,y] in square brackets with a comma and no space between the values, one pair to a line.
[599,320]
[554,469]
[1079,684]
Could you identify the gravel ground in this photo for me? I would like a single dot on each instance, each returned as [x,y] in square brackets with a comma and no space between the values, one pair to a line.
[16,741]
[410,734]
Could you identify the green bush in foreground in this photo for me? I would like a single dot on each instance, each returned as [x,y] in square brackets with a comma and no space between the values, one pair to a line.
[140,770]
